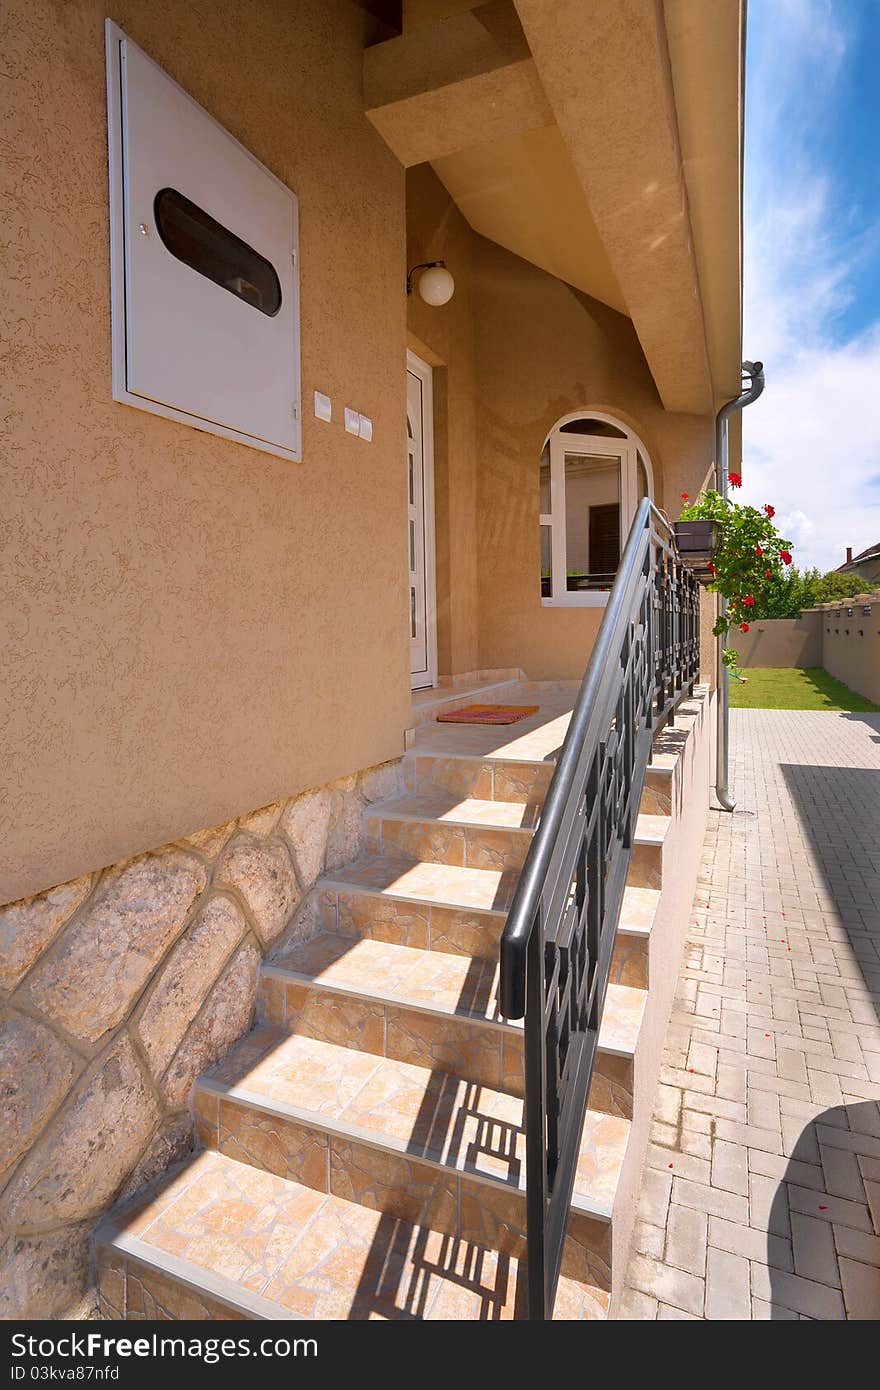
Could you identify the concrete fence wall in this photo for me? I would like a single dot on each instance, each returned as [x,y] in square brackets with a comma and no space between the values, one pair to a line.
[851,645]
[844,638]
[781,641]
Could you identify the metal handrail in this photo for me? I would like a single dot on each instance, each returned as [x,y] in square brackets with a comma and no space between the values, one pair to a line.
[557,943]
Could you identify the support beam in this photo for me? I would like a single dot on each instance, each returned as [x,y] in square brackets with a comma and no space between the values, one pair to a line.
[605,69]
[453,84]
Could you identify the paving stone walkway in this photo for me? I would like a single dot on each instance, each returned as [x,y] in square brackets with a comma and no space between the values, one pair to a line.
[762,1193]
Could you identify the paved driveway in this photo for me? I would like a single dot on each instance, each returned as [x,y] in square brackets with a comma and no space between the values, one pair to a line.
[762,1198]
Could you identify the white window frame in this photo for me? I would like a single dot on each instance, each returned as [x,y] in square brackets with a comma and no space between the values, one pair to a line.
[627,451]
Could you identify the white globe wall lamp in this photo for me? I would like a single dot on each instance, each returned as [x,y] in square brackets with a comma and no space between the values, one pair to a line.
[436,285]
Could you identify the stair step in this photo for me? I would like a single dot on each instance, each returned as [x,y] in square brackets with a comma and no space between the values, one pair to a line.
[438,827]
[459,911]
[325,1115]
[492,778]
[433,1009]
[226,1240]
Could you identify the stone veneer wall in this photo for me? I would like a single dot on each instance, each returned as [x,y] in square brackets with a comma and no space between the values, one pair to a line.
[118,989]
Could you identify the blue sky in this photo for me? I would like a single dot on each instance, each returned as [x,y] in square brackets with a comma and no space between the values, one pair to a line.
[812,270]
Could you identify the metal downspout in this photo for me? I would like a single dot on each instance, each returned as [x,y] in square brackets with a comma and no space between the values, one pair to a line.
[753,372]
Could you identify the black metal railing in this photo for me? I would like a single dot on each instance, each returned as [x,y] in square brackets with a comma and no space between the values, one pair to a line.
[559,937]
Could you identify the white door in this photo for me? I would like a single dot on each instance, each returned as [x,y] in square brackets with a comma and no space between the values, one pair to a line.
[420,522]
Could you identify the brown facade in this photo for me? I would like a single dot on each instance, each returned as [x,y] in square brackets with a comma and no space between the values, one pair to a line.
[195,629]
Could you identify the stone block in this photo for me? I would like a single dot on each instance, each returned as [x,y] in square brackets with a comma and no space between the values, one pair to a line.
[172,1142]
[81,1161]
[263,875]
[305,822]
[89,984]
[345,830]
[36,1070]
[28,926]
[44,1275]
[186,978]
[381,783]
[225,1015]
[262,821]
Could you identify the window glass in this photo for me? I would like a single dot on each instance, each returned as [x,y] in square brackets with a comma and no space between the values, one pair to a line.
[545,481]
[585,425]
[197,239]
[592,521]
[546,562]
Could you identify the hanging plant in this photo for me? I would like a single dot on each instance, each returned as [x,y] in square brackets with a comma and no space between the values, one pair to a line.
[750,559]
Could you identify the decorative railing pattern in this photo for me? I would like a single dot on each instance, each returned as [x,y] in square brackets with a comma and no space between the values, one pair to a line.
[559,937]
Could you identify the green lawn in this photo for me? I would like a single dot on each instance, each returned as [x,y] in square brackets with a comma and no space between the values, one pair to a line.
[779,687]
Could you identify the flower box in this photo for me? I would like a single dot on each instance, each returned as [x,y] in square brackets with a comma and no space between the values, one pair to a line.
[697,543]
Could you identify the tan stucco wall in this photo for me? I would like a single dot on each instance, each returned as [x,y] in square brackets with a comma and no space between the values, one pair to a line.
[444,337]
[851,645]
[781,641]
[544,350]
[192,628]
[513,351]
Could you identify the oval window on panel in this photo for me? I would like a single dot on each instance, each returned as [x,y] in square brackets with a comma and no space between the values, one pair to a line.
[204,244]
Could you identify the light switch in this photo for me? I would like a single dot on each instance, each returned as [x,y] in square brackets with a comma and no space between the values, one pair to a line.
[323,406]
[352,421]
[365,427]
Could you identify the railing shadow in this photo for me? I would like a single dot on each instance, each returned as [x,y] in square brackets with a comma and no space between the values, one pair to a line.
[822,1199]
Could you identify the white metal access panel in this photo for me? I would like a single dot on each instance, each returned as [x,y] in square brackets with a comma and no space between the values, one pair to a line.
[203,262]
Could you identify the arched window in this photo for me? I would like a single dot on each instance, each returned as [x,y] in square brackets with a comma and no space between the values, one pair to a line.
[593,473]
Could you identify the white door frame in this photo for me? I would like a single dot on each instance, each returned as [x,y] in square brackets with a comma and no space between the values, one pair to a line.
[422,679]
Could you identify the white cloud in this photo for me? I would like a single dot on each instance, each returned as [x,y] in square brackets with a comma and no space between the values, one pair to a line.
[812,443]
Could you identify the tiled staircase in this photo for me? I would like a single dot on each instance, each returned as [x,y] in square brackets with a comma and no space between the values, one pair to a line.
[363,1146]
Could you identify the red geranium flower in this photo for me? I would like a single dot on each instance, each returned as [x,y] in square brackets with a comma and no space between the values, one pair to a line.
[711,568]
[735,479]
[685,497]
[785,556]
[771,511]
[749,601]
[768,574]
[743,627]
[758,550]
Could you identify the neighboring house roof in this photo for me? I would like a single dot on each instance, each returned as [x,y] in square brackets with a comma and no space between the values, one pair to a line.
[872,553]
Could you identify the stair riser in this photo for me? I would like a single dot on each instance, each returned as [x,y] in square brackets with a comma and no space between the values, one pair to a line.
[492,779]
[472,846]
[476,1051]
[131,1292]
[399,1185]
[630,961]
[646,866]
[656,795]
[455,931]
[407,922]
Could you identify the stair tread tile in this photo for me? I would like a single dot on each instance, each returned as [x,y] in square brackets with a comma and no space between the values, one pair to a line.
[638,910]
[320,1257]
[430,1114]
[485,890]
[469,811]
[651,829]
[461,985]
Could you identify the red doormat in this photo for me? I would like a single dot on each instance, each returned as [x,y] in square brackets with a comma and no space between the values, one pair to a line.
[488,714]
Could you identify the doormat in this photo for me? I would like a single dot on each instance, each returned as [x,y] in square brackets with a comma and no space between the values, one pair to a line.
[488,714]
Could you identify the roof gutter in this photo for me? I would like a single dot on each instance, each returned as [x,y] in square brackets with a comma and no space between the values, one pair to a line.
[753,385]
